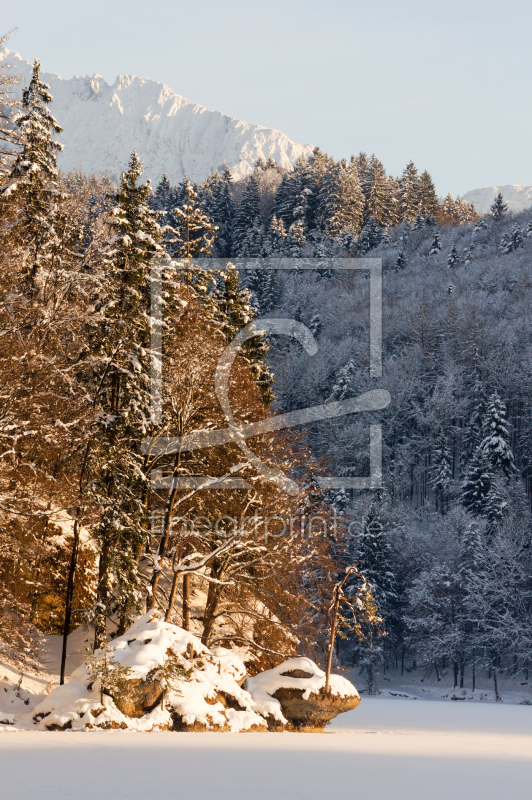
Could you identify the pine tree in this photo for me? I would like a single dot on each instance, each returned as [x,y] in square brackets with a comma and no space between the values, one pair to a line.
[470,549]
[498,208]
[512,241]
[9,136]
[33,179]
[276,235]
[442,473]
[295,239]
[435,247]
[315,324]
[400,261]
[453,259]
[231,308]
[428,200]
[194,232]
[121,348]
[477,484]
[219,207]
[409,192]
[449,207]
[344,381]
[468,255]
[495,443]
[378,200]
[370,237]
[247,215]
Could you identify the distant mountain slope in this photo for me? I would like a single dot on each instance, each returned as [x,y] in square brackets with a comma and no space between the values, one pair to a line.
[516,195]
[103,124]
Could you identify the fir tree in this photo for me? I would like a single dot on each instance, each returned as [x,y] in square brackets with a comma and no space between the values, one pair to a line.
[435,247]
[315,324]
[428,200]
[194,232]
[248,214]
[370,237]
[453,259]
[231,308]
[470,549]
[498,208]
[409,192]
[33,180]
[400,261]
[442,474]
[495,443]
[511,241]
[477,484]
[378,198]
[121,346]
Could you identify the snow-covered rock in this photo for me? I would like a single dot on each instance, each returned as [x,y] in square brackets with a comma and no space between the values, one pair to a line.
[207,696]
[517,196]
[293,695]
[104,123]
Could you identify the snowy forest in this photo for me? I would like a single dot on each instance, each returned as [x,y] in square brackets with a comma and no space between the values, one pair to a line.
[92,532]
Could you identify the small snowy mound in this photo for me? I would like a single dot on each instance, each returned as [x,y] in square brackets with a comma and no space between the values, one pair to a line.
[155,677]
[293,694]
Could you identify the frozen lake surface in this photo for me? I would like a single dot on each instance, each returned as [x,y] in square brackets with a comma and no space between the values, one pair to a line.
[385,748]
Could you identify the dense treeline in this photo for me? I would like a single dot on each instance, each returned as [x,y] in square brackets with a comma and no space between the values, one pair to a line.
[88,527]
[447,543]
[319,207]
[96,521]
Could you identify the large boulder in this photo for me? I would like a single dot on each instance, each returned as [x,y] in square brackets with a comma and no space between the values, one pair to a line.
[292,696]
[157,677]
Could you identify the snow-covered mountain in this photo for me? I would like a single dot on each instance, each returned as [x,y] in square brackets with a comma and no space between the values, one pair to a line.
[516,195]
[103,124]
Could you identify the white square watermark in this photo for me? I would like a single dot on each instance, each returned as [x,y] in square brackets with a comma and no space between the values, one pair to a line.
[238,433]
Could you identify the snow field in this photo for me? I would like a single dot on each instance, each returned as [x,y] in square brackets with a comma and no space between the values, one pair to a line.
[385,748]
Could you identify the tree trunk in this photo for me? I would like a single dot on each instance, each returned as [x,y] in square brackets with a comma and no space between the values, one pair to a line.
[462,674]
[495,687]
[186,602]
[213,598]
[455,670]
[102,592]
[474,677]
[69,598]
[334,620]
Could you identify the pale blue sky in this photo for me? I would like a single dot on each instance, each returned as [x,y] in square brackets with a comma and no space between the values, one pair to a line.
[446,83]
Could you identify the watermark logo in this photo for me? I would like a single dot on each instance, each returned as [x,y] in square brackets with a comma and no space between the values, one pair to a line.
[237,433]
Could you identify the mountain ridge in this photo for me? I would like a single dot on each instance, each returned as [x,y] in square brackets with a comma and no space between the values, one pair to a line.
[517,195]
[103,123]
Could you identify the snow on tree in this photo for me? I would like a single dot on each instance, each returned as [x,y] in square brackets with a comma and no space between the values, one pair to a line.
[477,484]
[428,200]
[435,246]
[511,241]
[495,443]
[453,259]
[248,213]
[442,473]
[33,177]
[9,136]
[400,261]
[194,232]
[370,236]
[409,192]
[499,208]
[121,347]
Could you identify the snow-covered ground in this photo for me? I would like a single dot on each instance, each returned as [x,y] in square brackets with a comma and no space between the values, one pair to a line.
[385,748]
